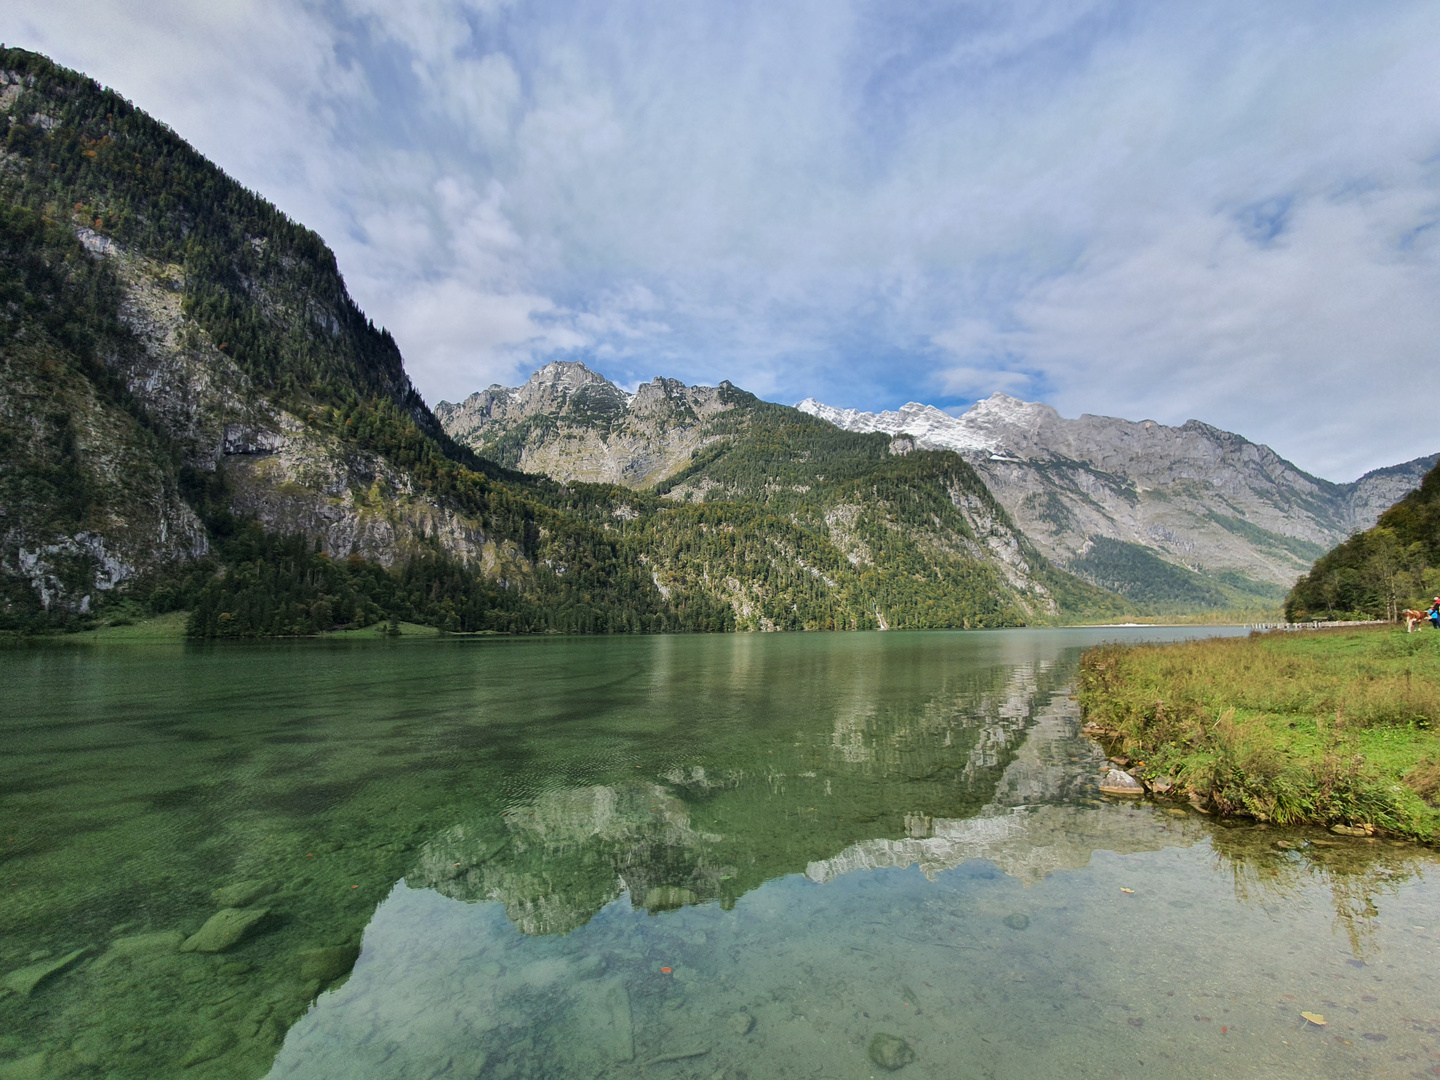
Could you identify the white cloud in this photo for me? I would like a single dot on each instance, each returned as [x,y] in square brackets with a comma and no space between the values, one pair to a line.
[1219,209]
[468,338]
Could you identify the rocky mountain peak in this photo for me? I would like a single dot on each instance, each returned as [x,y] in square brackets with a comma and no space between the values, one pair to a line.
[566,375]
[1203,499]
[573,424]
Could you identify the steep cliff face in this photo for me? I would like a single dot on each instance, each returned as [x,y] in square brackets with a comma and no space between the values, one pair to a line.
[1204,500]
[574,425]
[177,352]
[163,323]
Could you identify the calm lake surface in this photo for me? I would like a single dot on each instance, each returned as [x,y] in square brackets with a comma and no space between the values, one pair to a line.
[741,857]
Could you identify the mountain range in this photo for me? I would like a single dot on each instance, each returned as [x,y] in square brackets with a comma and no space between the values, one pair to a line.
[1168,517]
[195,415]
[1091,492]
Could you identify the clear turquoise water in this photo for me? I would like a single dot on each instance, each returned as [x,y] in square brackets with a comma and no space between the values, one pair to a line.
[821,837]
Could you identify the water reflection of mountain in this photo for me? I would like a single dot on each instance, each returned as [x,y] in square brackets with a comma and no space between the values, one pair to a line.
[733,816]
[1042,818]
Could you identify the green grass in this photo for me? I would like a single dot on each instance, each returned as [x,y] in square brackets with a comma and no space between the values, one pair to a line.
[380,630]
[167,627]
[1334,727]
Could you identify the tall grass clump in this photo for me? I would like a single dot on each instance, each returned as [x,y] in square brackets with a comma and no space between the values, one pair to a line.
[1322,728]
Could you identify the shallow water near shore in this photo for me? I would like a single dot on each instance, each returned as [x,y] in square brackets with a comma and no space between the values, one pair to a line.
[743,857]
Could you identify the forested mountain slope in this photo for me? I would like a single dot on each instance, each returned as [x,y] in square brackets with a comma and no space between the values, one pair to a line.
[1382,571]
[1181,517]
[789,520]
[195,415]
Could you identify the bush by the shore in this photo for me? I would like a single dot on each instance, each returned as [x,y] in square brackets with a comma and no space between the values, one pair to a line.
[1327,728]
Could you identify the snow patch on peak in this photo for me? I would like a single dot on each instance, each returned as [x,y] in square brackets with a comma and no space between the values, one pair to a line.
[980,430]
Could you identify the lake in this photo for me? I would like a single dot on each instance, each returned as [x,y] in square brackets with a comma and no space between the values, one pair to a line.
[736,857]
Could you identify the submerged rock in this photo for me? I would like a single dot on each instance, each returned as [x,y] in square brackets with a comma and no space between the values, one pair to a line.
[1120,782]
[162,941]
[209,1047]
[1016,921]
[890,1051]
[590,967]
[602,1025]
[31,1067]
[239,894]
[328,964]
[741,1023]
[224,930]
[24,981]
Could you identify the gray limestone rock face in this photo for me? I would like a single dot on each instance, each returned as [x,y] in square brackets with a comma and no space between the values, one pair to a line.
[668,898]
[573,424]
[225,929]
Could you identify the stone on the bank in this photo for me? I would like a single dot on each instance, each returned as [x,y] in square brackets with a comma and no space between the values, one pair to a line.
[1353,830]
[741,1023]
[327,964]
[23,981]
[890,1051]
[224,930]
[242,893]
[1120,782]
[1017,921]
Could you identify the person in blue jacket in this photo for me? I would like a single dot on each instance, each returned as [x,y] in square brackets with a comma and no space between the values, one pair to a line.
[1434,613]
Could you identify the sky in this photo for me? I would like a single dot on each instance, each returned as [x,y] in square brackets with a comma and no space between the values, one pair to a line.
[1227,211]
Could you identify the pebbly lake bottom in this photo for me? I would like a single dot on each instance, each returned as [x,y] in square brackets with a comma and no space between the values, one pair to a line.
[743,857]
[979,975]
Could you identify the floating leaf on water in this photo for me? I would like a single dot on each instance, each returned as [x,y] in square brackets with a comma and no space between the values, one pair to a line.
[1315,1018]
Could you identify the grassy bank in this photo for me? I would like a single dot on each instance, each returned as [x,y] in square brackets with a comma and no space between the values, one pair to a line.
[1330,728]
